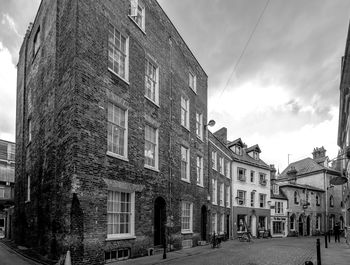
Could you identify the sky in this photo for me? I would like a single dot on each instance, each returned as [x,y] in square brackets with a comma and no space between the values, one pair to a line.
[279,90]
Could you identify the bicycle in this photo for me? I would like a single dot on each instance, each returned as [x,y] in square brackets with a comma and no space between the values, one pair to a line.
[245,237]
[215,241]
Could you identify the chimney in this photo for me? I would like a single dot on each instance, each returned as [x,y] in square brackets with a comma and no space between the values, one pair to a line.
[272,173]
[292,174]
[319,152]
[221,135]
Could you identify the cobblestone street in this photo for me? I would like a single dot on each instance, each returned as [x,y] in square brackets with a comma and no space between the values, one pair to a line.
[278,251]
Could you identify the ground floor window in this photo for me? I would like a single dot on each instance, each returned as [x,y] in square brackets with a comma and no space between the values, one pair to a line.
[186,217]
[214,223]
[278,227]
[318,222]
[262,222]
[120,213]
[292,222]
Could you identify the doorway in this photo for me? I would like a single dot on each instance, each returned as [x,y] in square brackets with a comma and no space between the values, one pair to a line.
[228,226]
[159,221]
[301,226]
[204,217]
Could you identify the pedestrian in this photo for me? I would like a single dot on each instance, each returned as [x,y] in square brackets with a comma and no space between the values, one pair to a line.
[337,232]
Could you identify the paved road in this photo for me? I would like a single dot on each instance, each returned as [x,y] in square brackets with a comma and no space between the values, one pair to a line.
[9,257]
[291,251]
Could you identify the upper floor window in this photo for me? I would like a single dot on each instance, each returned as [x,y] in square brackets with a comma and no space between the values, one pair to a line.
[118,53]
[262,200]
[151,146]
[185,112]
[228,196]
[214,160]
[221,165]
[241,197]
[2,192]
[331,201]
[192,82]
[28,189]
[296,197]
[241,174]
[117,140]
[228,171]
[238,150]
[214,191]
[36,42]
[137,13]
[152,81]
[252,176]
[199,125]
[252,199]
[279,207]
[120,214]
[30,130]
[199,170]
[185,165]
[318,203]
[222,194]
[275,189]
[262,179]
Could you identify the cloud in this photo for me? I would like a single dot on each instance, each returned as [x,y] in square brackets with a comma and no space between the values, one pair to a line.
[8,75]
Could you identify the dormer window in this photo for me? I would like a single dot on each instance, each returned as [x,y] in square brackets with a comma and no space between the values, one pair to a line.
[256,155]
[238,150]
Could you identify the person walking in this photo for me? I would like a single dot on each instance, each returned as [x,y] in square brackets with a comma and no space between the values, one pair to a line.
[337,232]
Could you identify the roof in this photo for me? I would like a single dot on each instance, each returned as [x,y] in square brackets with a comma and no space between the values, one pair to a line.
[280,196]
[303,166]
[301,186]
[237,141]
[245,158]
[254,148]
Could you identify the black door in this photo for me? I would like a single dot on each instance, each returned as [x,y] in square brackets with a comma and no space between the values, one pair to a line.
[204,223]
[301,226]
[159,221]
[308,226]
[227,226]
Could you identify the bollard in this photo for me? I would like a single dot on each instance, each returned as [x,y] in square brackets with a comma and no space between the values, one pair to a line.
[68,260]
[325,241]
[318,248]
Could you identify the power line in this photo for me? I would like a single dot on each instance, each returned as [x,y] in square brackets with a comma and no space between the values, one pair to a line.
[245,47]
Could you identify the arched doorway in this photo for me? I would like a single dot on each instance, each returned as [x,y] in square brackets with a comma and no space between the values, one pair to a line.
[301,226]
[308,226]
[204,217]
[159,221]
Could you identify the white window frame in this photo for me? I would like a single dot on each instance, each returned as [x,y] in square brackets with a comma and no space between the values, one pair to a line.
[185,112]
[228,169]
[278,207]
[187,161]
[318,222]
[30,128]
[36,41]
[190,228]
[131,234]
[222,223]
[117,50]
[135,7]
[156,152]
[155,80]
[199,167]
[252,199]
[214,223]
[241,199]
[262,195]
[214,192]
[228,196]
[214,161]
[222,194]
[252,176]
[192,79]
[221,165]
[241,177]
[110,152]
[199,125]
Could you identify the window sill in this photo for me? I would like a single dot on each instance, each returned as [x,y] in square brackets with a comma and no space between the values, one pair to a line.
[194,90]
[27,201]
[153,102]
[186,180]
[137,25]
[187,129]
[200,185]
[115,238]
[214,203]
[151,168]
[200,138]
[186,232]
[121,78]
[109,153]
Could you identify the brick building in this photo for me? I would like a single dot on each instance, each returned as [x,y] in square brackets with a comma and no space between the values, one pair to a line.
[111,148]
[250,189]
[315,205]
[7,181]
[220,183]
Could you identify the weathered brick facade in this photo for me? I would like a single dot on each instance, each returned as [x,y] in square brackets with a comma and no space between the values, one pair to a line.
[63,91]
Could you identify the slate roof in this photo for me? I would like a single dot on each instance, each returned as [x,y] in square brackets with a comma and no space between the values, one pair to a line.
[237,141]
[245,158]
[303,166]
[254,147]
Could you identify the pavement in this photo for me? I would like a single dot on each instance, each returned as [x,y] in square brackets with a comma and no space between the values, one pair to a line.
[276,251]
[11,257]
